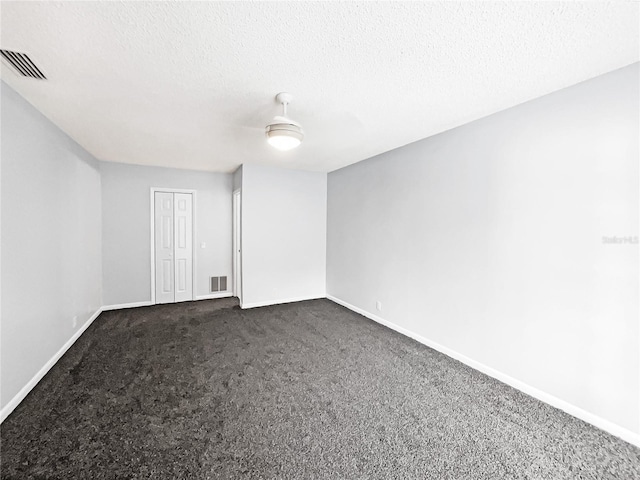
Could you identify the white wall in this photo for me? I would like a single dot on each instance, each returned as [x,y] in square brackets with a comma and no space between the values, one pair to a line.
[237,178]
[126,243]
[487,240]
[284,215]
[51,241]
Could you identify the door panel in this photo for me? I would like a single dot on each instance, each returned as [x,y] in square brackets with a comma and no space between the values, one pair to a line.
[167,278]
[181,238]
[181,275]
[183,215]
[164,237]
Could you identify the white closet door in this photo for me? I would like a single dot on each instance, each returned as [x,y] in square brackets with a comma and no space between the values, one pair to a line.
[183,241]
[164,238]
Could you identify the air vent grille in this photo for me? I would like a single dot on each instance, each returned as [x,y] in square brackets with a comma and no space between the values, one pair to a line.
[218,284]
[23,64]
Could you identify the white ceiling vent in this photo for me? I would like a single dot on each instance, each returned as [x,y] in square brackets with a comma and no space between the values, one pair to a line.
[23,64]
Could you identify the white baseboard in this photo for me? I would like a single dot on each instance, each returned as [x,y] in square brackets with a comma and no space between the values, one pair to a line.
[603,424]
[24,391]
[278,302]
[120,306]
[210,296]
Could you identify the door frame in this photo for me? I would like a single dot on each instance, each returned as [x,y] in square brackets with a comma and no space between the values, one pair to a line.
[152,237]
[237,243]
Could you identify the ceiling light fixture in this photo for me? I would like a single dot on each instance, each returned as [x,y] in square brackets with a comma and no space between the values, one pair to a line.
[284,133]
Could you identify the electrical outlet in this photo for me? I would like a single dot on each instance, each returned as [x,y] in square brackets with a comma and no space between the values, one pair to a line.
[379,306]
[75,321]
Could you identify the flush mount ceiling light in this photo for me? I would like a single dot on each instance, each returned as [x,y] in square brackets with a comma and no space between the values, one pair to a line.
[284,133]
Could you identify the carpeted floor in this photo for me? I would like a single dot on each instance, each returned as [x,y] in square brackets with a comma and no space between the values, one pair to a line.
[305,390]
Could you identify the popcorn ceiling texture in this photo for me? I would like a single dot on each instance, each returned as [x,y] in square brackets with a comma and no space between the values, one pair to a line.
[305,390]
[192,85]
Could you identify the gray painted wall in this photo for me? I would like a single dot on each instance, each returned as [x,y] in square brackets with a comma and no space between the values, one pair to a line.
[487,239]
[51,241]
[126,243]
[284,219]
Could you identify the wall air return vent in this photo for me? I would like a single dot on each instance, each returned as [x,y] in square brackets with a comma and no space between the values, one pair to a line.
[23,64]
[218,284]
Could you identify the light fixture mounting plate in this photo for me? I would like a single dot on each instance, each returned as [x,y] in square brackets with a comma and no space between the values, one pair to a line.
[284,97]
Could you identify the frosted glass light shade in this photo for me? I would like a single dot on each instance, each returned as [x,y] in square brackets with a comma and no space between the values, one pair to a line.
[284,136]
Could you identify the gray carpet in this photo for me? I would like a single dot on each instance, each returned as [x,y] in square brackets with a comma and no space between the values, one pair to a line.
[306,390]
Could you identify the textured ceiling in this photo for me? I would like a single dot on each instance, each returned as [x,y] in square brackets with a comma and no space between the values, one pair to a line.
[192,85]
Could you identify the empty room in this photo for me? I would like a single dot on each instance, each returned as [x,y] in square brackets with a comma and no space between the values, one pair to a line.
[319,240]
